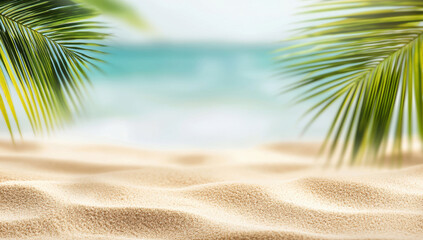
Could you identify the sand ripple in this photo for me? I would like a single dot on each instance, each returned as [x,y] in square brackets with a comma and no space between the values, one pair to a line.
[102,192]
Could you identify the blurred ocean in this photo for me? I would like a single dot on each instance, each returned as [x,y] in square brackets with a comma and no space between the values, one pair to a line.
[175,96]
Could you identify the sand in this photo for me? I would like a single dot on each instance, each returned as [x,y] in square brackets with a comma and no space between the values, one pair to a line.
[70,191]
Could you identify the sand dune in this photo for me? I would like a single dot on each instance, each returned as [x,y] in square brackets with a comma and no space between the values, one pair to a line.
[52,191]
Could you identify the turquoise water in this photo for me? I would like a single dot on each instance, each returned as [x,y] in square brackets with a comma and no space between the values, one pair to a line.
[191,96]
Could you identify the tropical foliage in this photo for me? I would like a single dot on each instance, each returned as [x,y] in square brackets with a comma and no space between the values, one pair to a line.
[47,46]
[119,10]
[366,57]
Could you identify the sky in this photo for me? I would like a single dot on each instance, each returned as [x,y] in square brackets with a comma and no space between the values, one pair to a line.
[240,21]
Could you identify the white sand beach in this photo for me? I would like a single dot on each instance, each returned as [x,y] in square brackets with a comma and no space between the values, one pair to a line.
[70,191]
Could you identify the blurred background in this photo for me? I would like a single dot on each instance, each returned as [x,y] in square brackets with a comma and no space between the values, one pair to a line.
[204,75]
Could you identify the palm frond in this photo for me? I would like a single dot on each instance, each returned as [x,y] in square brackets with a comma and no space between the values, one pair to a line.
[120,10]
[365,56]
[45,50]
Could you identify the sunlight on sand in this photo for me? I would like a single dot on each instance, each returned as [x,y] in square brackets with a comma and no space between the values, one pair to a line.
[69,191]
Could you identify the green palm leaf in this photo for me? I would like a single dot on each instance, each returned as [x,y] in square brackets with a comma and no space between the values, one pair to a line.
[366,56]
[45,54]
[118,9]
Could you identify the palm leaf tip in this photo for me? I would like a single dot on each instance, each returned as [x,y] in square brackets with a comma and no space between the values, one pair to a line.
[46,49]
[119,10]
[367,58]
